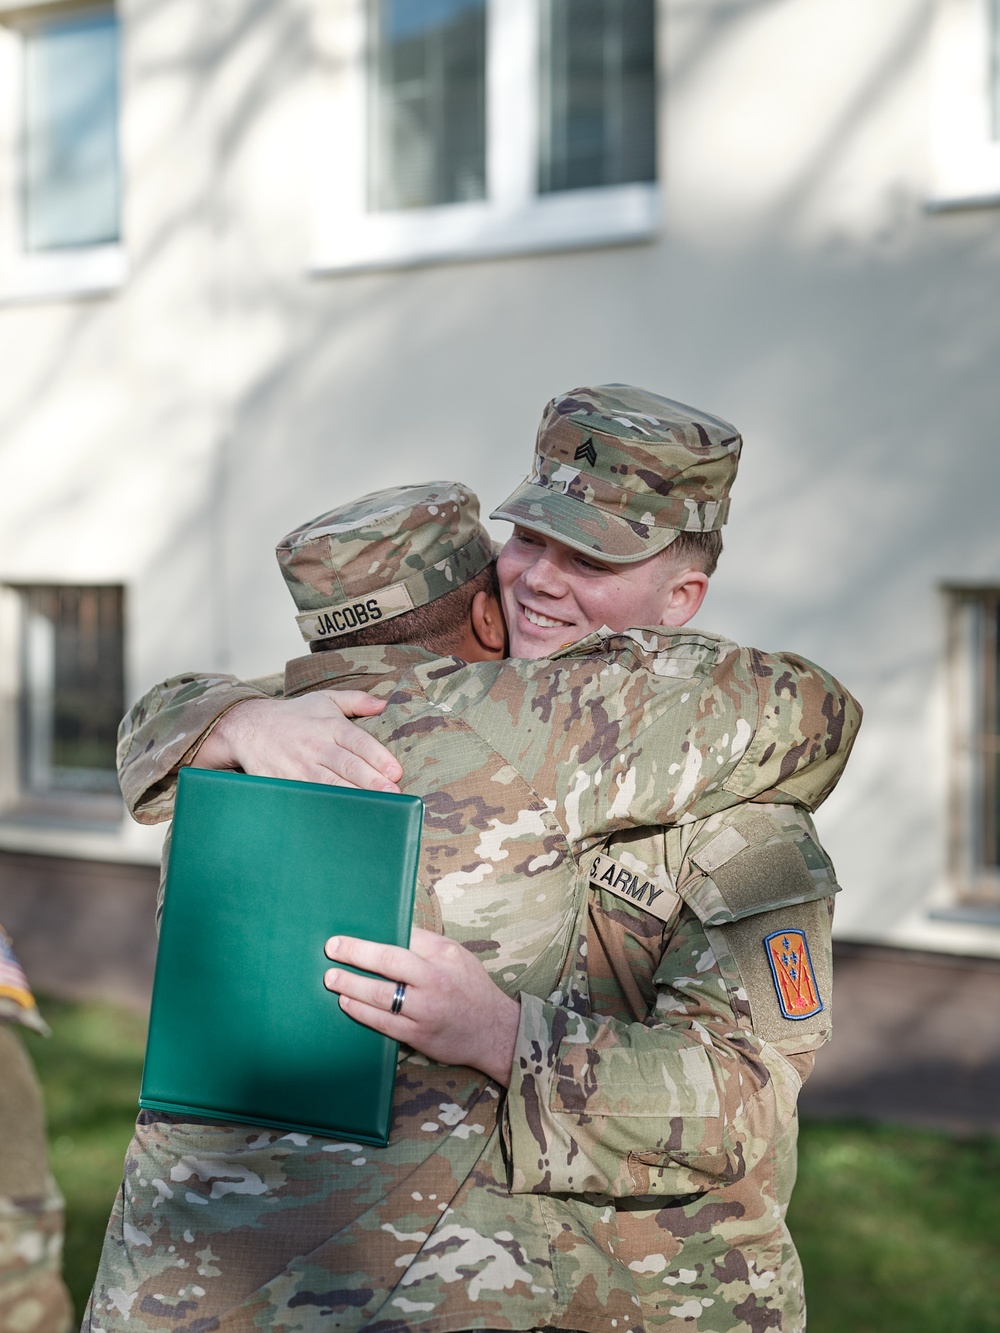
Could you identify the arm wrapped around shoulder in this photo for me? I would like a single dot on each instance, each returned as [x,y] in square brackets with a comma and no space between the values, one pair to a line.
[160,733]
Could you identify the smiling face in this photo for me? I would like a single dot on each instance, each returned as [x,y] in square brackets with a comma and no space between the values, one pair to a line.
[553,595]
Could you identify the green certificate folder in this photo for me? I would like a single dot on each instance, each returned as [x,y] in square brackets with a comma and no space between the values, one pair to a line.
[261,872]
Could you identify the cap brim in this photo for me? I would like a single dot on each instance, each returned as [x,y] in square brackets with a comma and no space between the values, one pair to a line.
[581,526]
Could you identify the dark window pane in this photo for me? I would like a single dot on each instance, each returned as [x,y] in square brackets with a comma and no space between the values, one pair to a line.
[598,82]
[427,121]
[71,185]
[73,695]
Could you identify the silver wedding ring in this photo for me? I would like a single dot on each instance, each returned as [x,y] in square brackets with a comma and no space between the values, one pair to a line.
[398,997]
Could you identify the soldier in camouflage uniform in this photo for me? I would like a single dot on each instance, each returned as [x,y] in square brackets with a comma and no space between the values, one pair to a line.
[636,1174]
[33,1297]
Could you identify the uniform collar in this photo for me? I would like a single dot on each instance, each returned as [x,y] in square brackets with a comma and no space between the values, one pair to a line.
[342,664]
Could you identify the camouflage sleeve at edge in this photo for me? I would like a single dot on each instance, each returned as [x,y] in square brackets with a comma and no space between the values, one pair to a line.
[161,732]
[690,1099]
[805,732]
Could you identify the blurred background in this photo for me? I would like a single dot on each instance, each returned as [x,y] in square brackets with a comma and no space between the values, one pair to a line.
[260,256]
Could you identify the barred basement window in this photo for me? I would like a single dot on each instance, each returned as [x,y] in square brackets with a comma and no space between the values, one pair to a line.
[974,672]
[71,697]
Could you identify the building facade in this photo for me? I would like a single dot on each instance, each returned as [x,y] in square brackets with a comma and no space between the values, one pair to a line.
[260,256]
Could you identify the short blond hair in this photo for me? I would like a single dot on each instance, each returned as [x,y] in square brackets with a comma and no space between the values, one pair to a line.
[698,549]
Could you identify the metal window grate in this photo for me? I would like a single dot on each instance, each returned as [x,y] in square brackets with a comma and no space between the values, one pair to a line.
[974,671]
[72,695]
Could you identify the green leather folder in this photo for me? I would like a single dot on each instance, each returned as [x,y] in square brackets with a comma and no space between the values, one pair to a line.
[261,873]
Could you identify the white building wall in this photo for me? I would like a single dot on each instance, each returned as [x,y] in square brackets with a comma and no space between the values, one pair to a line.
[167,435]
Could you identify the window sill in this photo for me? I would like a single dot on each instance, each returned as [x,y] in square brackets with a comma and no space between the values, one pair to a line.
[575,219]
[118,841]
[94,812]
[17,7]
[968,914]
[953,203]
[60,275]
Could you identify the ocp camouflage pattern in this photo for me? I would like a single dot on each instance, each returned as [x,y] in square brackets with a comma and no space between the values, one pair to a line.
[387,553]
[620,471]
[33,1296]
[636,1175]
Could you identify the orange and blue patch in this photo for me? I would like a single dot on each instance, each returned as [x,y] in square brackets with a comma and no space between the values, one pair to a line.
[793,972]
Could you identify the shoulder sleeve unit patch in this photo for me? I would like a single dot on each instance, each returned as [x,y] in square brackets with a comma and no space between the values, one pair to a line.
[793,973]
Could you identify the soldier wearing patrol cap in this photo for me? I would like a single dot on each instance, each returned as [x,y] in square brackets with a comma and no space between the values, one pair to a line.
[620,473]
[395,552]
[635,482]
[636,1172]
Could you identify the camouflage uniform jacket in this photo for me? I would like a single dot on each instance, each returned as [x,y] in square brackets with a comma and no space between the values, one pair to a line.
[33,1296]
[641,1092]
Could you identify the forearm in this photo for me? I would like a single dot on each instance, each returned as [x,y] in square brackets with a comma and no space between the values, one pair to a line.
[164,730]
[626,1110]
[672,1094]
[222,723]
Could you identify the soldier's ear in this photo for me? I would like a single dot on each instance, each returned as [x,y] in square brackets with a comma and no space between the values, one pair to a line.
[488,625]
[682,595]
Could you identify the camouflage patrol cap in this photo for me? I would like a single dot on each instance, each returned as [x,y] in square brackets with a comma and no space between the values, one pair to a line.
[389,552]
[619,472]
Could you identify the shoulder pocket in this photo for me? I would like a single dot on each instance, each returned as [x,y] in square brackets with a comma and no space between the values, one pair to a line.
[762,887]
[760,859]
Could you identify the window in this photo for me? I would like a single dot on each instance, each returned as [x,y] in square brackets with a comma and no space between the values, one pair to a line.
[59,76]
[479,127]
[598,94]
[974,644]
[69,702]
[427,118]
[70,120]
[966,121]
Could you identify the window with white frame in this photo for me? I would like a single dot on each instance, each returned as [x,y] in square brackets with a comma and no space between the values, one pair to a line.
[974,671]
[597,76]
[427,108]
[457,128]
[966,110]
[69,700]
[59,82]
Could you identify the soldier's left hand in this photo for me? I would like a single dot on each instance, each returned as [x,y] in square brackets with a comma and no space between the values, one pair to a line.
[450,1010]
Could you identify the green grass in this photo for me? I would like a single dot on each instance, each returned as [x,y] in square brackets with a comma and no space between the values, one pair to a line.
[899,1229]
[90,1070]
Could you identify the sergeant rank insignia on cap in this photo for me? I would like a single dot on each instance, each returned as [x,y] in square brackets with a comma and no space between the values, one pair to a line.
[794,978]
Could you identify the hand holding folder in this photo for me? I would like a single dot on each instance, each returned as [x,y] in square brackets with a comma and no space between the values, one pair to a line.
[261,873]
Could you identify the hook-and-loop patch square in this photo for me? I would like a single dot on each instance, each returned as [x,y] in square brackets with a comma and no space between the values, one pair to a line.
[793,973]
